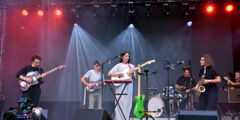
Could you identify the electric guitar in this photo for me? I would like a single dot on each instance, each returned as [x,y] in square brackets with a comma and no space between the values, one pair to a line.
[24,86]
[126,74]
[95,87]
[139,111]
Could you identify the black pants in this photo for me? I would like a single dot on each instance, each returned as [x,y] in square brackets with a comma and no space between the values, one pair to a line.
[33,93]
[208,99]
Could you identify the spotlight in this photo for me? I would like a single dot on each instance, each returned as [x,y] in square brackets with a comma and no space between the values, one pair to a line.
[24,12]
[40,12]
[96,10]
[58,12]
[77,11]
[229,7]
[189,23]
[148,9]
[210,8]
[114,9]
[166,9]
[131,26]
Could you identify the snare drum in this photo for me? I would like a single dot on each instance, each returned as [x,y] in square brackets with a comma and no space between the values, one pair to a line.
[156,106]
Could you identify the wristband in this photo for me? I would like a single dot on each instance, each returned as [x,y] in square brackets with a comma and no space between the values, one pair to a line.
[228,82]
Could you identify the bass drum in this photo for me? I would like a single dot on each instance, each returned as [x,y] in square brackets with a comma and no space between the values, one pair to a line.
[156,106]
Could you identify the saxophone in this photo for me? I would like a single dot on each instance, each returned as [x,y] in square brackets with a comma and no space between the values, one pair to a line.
[201,88]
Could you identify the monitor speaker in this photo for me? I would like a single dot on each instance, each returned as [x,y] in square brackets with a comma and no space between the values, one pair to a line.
[91,114]
[197,115]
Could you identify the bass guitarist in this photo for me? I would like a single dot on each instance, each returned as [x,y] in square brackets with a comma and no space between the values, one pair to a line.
[34,92]
[94,77]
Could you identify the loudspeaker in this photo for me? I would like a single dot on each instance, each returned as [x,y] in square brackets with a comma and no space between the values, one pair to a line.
[91,114]
[197,115]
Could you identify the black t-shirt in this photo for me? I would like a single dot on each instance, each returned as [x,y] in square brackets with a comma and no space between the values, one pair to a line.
[186,81]
[211,74]
[28,70]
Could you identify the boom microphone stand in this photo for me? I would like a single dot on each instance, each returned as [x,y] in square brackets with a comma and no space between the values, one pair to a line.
[168,67]
[168,79]
[102,69]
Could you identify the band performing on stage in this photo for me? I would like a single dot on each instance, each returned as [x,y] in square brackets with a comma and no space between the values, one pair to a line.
[120,59]
[168,103]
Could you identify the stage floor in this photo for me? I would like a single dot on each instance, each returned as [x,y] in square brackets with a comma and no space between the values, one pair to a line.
[154,118]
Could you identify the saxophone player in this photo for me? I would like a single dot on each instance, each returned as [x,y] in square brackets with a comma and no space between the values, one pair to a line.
[209,79]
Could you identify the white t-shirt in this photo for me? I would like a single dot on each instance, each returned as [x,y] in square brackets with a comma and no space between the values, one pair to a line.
[93,76]
[120,67]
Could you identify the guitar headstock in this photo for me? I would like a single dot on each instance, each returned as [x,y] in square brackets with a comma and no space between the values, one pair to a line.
[61,67]
[151,61]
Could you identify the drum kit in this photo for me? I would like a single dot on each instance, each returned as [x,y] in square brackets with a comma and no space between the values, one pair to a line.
[170,100]
[157,104]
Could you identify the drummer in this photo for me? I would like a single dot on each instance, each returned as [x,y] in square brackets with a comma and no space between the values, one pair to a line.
[183,86]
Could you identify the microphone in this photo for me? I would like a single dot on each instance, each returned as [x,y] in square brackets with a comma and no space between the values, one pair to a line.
[155,72]
[112,58]
[169,66]
[180,62]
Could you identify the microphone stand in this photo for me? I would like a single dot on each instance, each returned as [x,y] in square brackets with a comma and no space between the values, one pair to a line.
[168,83]
[102,78]
[146,107]
[168,69]
[191,83]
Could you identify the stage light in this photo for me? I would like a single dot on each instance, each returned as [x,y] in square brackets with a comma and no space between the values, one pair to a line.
[24,12]
[229,7]
[189,23]
[210,8]
[58,12]
[131,26]
[40,12]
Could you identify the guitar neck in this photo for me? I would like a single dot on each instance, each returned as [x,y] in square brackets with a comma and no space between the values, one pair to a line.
[48,72]
[148,62]
[139,81]
[140,66]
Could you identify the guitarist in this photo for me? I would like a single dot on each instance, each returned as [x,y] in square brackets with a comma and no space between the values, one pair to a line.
[126,100]
[94,77]
[184,86]
[236,81]
[34,92]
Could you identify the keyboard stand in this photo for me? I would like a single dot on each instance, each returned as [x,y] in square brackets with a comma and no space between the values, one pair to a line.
[120,94]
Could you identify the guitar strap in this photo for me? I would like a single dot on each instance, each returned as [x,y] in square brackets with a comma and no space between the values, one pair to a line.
[129,66]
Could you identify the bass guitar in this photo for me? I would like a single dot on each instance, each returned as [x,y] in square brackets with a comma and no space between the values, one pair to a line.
[139,111]
[24,86]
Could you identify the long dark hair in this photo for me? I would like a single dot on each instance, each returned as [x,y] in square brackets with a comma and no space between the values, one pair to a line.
[208,60]
[122,54]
